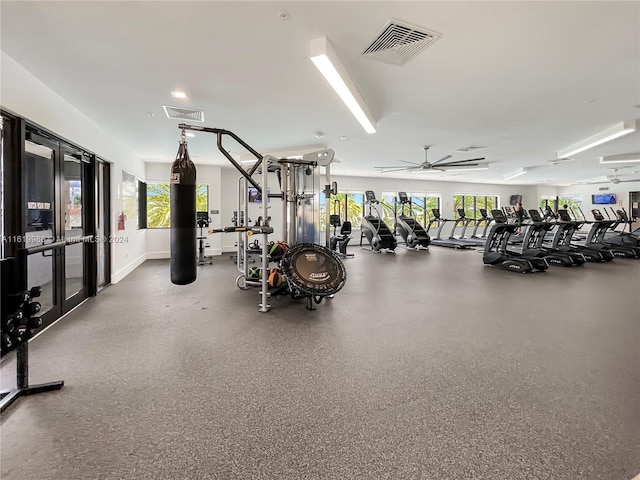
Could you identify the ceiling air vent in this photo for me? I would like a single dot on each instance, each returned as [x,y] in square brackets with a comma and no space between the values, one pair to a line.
[179,113]
[469,148]
[399,42]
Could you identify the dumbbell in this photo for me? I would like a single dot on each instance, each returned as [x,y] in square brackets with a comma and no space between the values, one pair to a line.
[10,322]
[32,308]
[34,323]
[21,332]
[7,342]
[35,292]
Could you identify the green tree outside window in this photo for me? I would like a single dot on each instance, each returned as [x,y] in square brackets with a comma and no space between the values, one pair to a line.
[159,203]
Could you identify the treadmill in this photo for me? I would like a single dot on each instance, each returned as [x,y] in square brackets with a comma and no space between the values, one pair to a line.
[534,243]
[595,237]
[487,222]
[465,221]
[437,220]
[496,251]
[565,229]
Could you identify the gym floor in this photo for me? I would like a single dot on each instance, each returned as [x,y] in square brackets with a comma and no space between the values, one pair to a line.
[427,365]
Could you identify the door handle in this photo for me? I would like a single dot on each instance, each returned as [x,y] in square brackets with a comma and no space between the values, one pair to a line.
[44,242]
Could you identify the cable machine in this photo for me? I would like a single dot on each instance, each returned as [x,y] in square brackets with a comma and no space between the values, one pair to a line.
[309,270]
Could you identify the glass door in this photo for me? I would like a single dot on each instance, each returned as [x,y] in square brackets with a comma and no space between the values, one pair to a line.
[55,192]
[102,224]
[40,222]
[73,196]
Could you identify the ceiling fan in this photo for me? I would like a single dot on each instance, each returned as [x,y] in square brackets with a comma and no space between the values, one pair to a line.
[439,165]
[611,179]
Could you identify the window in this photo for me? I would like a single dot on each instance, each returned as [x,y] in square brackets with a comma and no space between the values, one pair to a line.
[549,202]
[573,203]
[473,203]
[388,205]
[158,203]
[348,205]
[421,206]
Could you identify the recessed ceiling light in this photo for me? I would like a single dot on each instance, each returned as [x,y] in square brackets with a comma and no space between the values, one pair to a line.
[151,114]
[319,134]
[178,94]
[343,137]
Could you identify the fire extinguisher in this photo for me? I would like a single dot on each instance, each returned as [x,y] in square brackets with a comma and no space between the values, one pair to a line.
[121,219]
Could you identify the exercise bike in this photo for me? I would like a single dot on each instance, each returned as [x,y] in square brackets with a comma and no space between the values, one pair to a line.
[203,221]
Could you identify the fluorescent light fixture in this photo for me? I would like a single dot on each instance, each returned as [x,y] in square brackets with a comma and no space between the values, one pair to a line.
[618,130]
[626,158]
[178,94]
[517,173]
[327,61]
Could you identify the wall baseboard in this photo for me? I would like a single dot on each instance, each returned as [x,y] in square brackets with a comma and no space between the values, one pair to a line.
[157,255]
[116,277]
[161,255]
[119,275]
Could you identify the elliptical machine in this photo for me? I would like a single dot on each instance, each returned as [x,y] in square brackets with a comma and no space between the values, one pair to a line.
[338,242]
[375,230]
[414,235]
[203,221]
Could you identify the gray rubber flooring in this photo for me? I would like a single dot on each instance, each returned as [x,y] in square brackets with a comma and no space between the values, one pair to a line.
[427,365]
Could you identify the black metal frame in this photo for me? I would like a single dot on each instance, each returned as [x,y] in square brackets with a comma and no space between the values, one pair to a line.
[16,131]
[219,133]
[7,397]
[105,191]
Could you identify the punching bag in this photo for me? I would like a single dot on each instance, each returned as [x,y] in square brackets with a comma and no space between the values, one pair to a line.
[183,217]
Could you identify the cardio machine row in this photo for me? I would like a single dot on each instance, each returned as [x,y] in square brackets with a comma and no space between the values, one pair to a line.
[549,240]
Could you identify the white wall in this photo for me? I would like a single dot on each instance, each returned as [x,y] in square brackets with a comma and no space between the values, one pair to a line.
[26,96]
[158,239]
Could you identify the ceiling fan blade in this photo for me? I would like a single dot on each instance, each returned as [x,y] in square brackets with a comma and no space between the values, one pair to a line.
[446,157]
[399,169]
[394,166]
[453,162]
[459,167]
[632,180]
[428,170]
[412,163]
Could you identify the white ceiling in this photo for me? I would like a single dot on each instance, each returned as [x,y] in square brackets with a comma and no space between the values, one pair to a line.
[525,79]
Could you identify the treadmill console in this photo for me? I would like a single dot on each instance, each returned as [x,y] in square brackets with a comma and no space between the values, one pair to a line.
[498,216]
[435,212]
[507,211]
[370,196]
[461,213]
[597,216]
[202,219]
[483,213]
[564,215]
[622,216]
[535,215]
[402,196]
